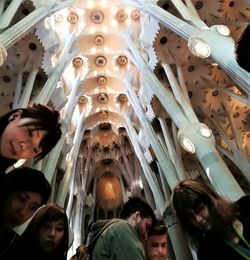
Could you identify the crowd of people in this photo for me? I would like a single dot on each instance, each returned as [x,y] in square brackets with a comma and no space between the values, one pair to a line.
[216,227]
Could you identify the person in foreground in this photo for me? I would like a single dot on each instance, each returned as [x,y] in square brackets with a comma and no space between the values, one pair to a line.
[24,191]
[124,238]
[46,236]
[156,247]
[27,133]
[217,227]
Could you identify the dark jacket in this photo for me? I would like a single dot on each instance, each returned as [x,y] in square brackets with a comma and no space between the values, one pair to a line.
[8,241]
[213,248]
[119,241]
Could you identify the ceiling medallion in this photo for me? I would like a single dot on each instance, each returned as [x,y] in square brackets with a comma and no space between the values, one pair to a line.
[58,18]
[103,113]
[82,99]
[97,17]
[102,80]
[135,14]
[72,18]
[77,62]
[122,98]
[122,60]
[102,98]
[99,40]
[100,61]
[121,16]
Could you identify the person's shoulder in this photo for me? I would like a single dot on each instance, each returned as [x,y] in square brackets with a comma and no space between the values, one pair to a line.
[244,200]
[118,224]
[243,205]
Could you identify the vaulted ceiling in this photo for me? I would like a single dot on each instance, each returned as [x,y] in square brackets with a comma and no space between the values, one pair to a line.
[129,86]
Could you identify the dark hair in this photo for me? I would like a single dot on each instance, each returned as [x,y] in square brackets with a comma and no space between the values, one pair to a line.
[190,195]
[158,228]
[44,118]
[25,179]
[49,212]
[137,204]
[243,50]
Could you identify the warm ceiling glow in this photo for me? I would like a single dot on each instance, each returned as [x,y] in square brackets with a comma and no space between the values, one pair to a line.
[90,4]
[109,194]
[105,29]
[103,3]
[92,29]
[93,50]
[113,10]
[114,23]
[109,191]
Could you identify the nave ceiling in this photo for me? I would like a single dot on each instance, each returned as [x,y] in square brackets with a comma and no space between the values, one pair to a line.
[104,65]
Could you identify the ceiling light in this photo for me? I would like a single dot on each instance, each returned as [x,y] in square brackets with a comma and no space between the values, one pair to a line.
[186,143]
[222,29]
[205,130]
[199,48]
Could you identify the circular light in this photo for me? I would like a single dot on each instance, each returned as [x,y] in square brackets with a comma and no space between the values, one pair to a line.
[58,18]
[82,99]
[135,14]
[77,62]
[186,144]
[122,97]
[72,18]
[102,98]
[99,40]
[199,48]
[222,29]
[121,16]
[122,60]
[100,61]
[102,80]
[205,131]
[97,17]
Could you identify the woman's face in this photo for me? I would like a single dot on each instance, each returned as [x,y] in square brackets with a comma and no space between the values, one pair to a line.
[200,218]
[50,235]
[19,141]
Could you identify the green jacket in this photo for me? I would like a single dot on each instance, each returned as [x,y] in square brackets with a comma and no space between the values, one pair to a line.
[118,242]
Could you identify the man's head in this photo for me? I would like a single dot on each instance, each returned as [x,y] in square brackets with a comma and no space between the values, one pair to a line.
[140,215]
[156,244]
[23,192]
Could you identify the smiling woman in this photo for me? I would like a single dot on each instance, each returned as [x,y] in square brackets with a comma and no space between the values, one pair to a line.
[27,133]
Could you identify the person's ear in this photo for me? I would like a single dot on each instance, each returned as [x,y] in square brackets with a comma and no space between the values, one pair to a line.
[16,115]
[137,216]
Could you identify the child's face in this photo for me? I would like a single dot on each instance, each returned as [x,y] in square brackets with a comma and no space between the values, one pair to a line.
[50,235]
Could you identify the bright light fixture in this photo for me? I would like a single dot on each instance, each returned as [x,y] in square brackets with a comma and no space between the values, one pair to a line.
[222,29]
[186,143]
[199,47]
[205,131]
